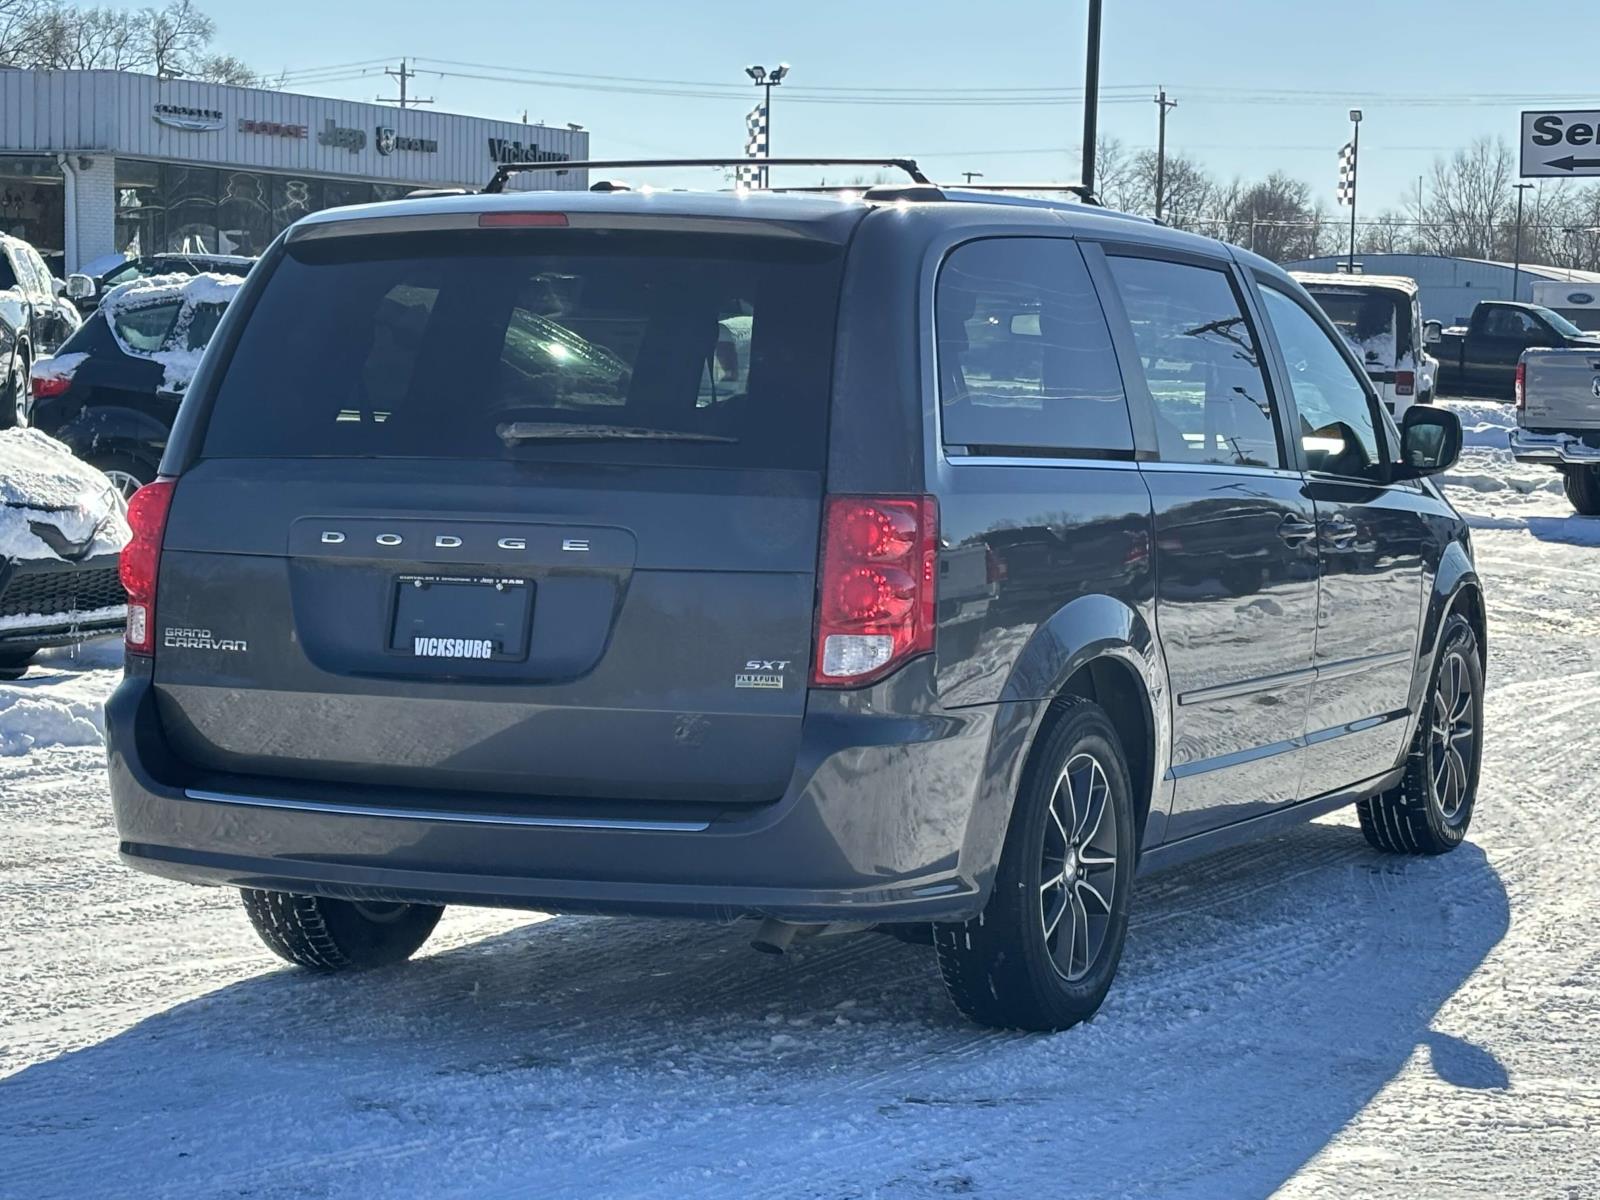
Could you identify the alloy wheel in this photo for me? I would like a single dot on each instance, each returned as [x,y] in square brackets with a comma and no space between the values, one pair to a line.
[1452,738]
[125,483]
[1079,870]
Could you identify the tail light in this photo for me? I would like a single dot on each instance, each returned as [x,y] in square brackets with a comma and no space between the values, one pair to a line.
[1519,388]
[50,383]
[141,557]
[1405,383]
[876,604]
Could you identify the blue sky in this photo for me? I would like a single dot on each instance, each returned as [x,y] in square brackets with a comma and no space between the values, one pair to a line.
[1215,57]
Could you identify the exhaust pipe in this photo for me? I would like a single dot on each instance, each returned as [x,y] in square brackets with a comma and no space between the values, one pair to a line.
[775,937]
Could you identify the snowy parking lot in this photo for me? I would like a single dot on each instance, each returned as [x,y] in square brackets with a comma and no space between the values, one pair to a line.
[1299,1017]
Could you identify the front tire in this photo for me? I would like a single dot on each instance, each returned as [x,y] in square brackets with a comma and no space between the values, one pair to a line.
[14,663]
[1044,951]
[1431,810]
[338,935]
[1582,485]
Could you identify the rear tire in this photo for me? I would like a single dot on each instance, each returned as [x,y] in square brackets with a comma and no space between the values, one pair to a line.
[338,935]
[1431,810]
[1582,485]
[1045,950]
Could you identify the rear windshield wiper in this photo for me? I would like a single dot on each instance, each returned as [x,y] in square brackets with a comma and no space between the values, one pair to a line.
[545,431]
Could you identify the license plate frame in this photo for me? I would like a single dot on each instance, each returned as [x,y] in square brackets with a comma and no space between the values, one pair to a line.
[460,618]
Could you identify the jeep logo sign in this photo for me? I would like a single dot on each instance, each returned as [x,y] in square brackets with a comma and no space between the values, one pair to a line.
[353,140]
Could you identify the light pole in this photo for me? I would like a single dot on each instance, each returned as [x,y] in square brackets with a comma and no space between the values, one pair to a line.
[1355,178]
[1516,253]
[1091,98]
[767,80]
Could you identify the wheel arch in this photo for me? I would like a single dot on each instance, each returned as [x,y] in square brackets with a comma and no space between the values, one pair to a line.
[1098,648]
[1456,589]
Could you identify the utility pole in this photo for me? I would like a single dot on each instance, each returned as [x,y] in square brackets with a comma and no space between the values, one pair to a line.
[971,175]
[1091,98]
[1516,254]
[1165,106]
[404,74]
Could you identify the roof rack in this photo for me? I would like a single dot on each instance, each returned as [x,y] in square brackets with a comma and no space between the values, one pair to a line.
[1081,191]
[504,171]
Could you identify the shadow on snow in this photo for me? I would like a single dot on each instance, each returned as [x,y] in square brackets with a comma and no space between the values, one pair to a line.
[1267,994]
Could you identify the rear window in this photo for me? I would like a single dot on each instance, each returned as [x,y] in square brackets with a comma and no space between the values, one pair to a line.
[1376,323]
[544,345]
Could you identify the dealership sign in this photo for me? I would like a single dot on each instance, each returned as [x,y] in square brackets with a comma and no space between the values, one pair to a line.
[503,150]
[1561,144]
[192,120]
[272,128]
[388,141]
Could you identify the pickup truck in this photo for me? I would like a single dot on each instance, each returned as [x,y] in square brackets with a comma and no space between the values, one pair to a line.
[1558,419]
[1480,358]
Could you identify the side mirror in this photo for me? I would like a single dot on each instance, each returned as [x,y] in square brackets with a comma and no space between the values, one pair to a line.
[1430,441]
[80,287]
[1432,333]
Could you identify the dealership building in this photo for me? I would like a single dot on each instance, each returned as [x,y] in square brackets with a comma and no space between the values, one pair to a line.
[100,162]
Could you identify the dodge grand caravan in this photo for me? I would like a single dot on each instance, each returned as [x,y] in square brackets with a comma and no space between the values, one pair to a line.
[926,559]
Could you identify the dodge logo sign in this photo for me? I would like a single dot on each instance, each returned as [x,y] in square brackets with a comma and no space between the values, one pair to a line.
[388,141]
[384,140]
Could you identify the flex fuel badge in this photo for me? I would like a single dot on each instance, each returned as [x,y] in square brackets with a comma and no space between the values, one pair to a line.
[762,673]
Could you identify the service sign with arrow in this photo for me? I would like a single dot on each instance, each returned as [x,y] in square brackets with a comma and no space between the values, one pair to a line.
[1561,144]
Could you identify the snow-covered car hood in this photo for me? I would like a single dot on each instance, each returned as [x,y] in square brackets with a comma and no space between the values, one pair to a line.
[53,505]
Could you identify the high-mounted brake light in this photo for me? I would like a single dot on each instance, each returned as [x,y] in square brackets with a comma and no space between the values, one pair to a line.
[141,558]
[1519,387]
[1405,383]
[875,589]
[522,220]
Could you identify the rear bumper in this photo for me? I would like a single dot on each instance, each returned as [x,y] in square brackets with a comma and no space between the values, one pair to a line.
[1554,449]
[877,825]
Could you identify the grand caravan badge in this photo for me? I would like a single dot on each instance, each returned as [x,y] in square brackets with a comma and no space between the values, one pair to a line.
[199,639]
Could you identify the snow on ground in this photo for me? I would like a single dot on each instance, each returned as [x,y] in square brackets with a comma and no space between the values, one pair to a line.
[1301,1017]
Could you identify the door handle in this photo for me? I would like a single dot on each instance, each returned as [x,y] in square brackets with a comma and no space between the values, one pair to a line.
[1296,531]
[1341,531]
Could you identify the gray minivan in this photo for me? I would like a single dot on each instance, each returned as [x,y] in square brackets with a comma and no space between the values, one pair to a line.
[929,559]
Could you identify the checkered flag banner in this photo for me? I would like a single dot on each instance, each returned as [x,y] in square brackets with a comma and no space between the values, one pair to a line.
[755,145]
[1347,174]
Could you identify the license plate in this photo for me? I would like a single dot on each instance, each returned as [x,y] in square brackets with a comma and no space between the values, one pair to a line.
[466,618]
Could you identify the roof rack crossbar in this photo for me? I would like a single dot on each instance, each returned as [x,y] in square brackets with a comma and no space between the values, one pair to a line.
[504,171]
[1086,194]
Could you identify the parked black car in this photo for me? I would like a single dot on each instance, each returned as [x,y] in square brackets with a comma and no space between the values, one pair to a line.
[112,391]
[62,526]
[420,615]
[33,322]
[1480,358]
[86,291]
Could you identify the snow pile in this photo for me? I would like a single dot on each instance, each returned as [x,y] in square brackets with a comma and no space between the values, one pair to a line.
[194,291]
[31,722]
[60,702]
[41,483]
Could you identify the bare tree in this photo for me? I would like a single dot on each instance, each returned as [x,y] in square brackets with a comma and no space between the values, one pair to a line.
[1471,196]
[225,68]
[17,24]
[177,36]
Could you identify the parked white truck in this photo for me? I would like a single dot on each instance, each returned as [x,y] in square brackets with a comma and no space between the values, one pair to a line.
[1557,396]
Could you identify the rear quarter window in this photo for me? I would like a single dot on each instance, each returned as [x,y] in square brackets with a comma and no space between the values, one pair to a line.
[537,344]
[1025,357]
